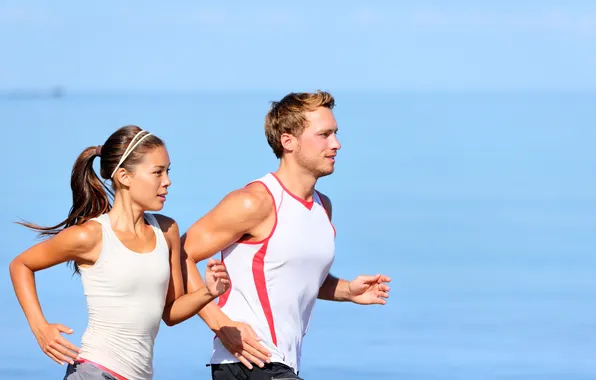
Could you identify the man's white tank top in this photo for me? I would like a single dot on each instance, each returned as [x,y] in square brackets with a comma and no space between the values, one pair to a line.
[275,282]
[126,293]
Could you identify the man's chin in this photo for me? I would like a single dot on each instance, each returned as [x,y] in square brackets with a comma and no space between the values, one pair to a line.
[325,173]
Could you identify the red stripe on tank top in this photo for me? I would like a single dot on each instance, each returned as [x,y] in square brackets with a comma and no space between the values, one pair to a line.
[258,271]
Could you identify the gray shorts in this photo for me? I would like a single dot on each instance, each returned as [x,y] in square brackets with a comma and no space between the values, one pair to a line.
[86,371]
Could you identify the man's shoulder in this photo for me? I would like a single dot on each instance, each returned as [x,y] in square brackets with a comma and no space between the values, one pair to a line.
[253,199]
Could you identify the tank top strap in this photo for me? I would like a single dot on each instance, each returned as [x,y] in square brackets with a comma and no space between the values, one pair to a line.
[109,235]
[107,239]
[273,187]
[106,227]
[317,198]
[102,220]
[161,238]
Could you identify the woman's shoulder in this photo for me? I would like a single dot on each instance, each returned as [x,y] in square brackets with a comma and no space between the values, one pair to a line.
[168,225]
[82,237]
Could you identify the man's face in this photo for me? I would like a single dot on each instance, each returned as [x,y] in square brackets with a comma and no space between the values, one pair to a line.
[317,147]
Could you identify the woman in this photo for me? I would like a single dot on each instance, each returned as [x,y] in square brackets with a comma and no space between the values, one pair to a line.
[129,262]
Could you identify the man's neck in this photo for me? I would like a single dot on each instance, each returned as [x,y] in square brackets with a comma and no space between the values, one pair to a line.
[297,180]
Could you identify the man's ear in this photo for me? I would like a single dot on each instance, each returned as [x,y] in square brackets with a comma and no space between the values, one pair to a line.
[288,142]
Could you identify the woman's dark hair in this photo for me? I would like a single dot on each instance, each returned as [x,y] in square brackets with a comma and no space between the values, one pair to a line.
[91,196]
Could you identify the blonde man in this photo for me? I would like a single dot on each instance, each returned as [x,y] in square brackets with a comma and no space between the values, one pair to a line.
[278,244]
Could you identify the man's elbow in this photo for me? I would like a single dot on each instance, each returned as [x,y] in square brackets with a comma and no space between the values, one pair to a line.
[192,255]
[191,249]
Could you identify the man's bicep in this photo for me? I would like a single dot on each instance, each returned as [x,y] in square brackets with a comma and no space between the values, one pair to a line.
[235,216]
[205,238]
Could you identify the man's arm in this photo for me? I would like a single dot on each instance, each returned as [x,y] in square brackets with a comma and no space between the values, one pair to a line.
[362,290]
[242,212]
[334,289]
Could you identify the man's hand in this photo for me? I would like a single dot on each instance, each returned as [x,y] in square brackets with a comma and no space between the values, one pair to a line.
[242,341]
[369,290]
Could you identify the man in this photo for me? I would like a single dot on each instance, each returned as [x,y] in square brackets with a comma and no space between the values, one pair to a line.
[277,243]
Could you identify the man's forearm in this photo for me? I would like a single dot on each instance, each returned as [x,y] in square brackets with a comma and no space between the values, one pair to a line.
[334,289]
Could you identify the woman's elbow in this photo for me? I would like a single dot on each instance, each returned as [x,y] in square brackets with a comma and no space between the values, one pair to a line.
[168,320]
[14,267]
[167,317]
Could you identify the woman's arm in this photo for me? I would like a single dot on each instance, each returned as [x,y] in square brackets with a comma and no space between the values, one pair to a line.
[179,306]
[81,244]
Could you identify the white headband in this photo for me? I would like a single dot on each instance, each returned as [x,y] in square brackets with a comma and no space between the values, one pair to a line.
[129,150]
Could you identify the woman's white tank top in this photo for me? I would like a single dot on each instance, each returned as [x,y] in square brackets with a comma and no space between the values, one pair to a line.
[126,293]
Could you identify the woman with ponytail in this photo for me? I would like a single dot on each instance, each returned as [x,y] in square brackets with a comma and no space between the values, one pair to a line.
[129,262]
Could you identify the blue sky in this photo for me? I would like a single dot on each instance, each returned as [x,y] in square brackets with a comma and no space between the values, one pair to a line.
[266,45]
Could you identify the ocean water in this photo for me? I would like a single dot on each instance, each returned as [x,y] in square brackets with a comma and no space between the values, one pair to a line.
[480,206]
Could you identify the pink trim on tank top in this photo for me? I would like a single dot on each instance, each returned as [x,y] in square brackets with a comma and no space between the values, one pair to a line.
[117,376]
[304,202]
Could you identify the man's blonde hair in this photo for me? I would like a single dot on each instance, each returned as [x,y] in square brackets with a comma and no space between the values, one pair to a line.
[287,116]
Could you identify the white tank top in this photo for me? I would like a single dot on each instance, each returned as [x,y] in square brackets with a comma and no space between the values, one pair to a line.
[126,293]
[275,282]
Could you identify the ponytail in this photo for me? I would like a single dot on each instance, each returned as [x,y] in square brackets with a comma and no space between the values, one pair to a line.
[90,196]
